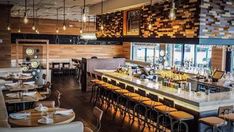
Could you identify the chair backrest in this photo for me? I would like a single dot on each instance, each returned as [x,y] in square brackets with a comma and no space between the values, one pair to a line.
[130,88]
[168,102]
[50,104]
[94,76]
[97,113]
[55,65]
[225,110]
[99,77]
[153,97]
[104,79]
[66,65]
[141,92]
[121,85]
[113,82]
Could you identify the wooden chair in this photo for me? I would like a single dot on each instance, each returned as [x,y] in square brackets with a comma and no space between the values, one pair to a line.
[50,104]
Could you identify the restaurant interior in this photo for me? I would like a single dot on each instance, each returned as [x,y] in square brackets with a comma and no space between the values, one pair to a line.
[116,65]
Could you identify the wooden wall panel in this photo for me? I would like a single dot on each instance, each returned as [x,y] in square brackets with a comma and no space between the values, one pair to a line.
[5,36]
[217,58]
[48,26]
[76,51]
[127,50]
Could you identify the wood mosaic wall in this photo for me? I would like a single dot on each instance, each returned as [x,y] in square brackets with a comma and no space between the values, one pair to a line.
[186,24]
[217,19]
[113,25]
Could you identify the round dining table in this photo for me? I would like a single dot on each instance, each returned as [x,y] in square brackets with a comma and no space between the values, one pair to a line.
[32,119]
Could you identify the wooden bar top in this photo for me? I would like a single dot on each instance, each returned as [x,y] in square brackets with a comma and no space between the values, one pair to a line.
[190,100]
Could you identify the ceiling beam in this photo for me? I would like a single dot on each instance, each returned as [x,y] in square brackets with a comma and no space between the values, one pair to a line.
[115,5]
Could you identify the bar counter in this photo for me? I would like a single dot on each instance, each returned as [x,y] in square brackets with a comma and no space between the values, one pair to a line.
[199,105]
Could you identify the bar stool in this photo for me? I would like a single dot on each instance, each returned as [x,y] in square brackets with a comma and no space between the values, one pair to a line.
[180,117]
[163,113]
[225,113]
[150,109]
[214,123]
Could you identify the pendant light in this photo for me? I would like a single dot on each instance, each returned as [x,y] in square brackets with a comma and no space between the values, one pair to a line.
[25,12]
[150,21]
[64,25]
[33,27]
[84,14]
[57,30]
[19,30]
[172,14]
[37,30]
[102,25]
[9,15]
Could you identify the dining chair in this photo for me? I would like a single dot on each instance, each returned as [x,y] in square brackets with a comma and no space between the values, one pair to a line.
[50,104]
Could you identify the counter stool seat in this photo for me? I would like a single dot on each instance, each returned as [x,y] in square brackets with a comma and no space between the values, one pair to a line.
[164,109]
[139,98]
[151,103]
[181,115]
[115,88]
[131,94]
[213,121]
[122,91]
[228,117]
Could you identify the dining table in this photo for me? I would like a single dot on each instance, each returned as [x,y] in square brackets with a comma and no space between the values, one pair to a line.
[33,117]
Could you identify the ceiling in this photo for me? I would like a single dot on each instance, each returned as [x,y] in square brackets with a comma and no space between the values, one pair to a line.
[47,9]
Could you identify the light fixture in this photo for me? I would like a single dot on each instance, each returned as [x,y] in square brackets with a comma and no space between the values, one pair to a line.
[172,14]
[36,27]
[25,13]
[102,25]
[8,19]
[57,30]
[19,31]
[83,14]
[33,27]
[64,25]
[81,31]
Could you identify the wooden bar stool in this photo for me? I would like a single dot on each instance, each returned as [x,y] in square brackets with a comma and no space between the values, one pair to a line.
[225,113]
[180,117]
[163,113]
[214,123]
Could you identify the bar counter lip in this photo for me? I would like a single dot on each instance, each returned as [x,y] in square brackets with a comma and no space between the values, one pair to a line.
[208,103]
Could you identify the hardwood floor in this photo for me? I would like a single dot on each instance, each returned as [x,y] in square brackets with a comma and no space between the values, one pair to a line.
[73,98]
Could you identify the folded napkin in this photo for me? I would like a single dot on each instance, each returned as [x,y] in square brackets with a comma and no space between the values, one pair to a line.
[19,115]
[13,95]
[46,120]
[64,112]
[29,93]
[29,83]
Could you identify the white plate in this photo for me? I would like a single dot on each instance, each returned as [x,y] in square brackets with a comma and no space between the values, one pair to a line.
[29,51]
[48,121]
[41,109]
[18,116]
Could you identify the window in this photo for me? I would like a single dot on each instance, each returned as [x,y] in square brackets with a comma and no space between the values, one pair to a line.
[146,52]
[177,55]
[189,54]
[203,55]
[139,54]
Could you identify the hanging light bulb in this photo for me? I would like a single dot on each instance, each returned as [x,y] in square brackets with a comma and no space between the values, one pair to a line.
[102,27]
[25,13]
[150,26]
[64,27]
[33,27]
[8,28]
[19,30]
[57,31]
[172,14]
[84,17]
[81,31]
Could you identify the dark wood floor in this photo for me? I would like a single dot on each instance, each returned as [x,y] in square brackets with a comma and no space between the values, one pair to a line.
[73,98]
